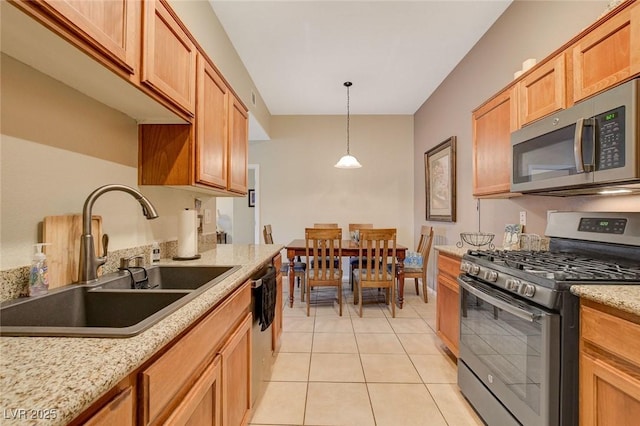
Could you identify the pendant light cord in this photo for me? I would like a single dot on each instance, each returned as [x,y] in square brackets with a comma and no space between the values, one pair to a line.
[347,85]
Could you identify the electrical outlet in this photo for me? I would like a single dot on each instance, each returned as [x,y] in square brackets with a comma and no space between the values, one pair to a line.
[207,216]
[523,218]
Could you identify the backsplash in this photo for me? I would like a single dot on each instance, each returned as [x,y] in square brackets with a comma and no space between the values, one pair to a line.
[13,282]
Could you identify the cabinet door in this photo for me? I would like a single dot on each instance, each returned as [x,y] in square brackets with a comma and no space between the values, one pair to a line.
[236,376]
[203,404]
[109,26]
[211,127]
[238,146]
[607,55]
[448,312]
[119,411]
[543,91]
[492,127]
[169,56]
[608,395]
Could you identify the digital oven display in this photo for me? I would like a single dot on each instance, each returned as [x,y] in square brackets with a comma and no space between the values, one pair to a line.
[602,226]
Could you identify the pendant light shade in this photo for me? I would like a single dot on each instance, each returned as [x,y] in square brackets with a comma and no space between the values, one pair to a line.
[348,161]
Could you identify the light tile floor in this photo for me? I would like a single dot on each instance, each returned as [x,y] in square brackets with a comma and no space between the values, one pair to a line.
[353,371]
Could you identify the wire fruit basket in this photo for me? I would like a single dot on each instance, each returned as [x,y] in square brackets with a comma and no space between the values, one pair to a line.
[476,239]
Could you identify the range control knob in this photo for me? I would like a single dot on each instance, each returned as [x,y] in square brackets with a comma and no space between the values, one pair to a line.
[464,266]
[529,290]
[513,284]
[491,276]
[474,269]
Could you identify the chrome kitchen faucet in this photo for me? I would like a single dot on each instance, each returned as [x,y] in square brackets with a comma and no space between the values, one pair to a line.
[89,262]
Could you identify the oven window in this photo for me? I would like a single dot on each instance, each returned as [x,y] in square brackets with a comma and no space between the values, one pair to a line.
[509,347]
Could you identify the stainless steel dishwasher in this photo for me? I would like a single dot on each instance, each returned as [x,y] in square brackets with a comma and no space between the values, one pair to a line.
[262,331]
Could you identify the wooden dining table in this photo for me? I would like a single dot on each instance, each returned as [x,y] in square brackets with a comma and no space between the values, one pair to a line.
[349,248]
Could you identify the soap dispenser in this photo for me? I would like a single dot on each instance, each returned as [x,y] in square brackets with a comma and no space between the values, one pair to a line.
[39,275]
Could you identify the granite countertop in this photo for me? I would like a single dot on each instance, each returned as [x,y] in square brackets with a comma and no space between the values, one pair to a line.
[623,297]
[452,250]
[66,375]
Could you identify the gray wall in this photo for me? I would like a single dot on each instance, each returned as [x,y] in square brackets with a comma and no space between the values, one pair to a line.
[527,29]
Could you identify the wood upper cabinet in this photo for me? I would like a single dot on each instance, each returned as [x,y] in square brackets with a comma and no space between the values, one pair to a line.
[609,366]
[607,55]
[543,91]
[238,146]
[212,154]
[211,127]
[169,56]
[110,26]
[492,126]
[236,376]
[448,302]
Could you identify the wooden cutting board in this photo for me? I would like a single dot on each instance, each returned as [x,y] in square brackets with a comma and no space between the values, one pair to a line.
[63,255]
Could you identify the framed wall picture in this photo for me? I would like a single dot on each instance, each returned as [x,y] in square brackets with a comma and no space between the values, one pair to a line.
[440,181]
[252,197]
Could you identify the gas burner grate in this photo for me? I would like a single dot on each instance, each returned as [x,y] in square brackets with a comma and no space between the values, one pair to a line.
[560,266]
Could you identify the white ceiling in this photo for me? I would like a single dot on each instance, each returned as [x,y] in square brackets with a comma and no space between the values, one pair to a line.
[396,53]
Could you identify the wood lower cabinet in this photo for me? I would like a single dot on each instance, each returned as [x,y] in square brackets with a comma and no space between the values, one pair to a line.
[608,55]
[203,404]
[183,381]
[118,411]
[543,91]
[609,366]
[493,123]
[448,302]
[236,376]
[169,56]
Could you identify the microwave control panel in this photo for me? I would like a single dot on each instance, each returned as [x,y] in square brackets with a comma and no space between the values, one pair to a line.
[611,142]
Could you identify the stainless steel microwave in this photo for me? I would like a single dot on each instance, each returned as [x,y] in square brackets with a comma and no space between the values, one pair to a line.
[591,147]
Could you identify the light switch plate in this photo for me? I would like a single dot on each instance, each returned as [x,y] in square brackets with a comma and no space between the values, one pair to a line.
[207,216]
[523,218]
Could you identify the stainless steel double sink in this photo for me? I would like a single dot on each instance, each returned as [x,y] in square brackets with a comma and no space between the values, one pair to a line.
[110,307]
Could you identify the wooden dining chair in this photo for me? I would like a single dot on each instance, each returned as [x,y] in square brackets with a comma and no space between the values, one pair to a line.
[355,260]
[324,243]
[420,272]
[326,226]
[378,244]
[299,267]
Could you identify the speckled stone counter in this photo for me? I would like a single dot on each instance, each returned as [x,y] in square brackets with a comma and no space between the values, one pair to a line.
[67,375]
[623,297]
[452,250]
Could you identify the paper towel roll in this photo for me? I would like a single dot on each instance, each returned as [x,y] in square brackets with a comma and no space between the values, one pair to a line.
[187,233]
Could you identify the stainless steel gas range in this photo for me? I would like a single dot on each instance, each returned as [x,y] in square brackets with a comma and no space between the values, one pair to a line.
[519,325]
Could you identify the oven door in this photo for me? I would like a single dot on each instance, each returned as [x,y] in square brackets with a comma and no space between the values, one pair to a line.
[513,348]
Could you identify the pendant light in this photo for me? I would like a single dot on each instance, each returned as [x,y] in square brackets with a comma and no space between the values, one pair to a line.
[348,161]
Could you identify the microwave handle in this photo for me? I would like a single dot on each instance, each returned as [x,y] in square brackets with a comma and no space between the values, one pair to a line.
[577,145]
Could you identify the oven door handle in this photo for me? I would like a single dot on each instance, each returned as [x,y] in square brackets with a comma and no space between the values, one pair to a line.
[520,313]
